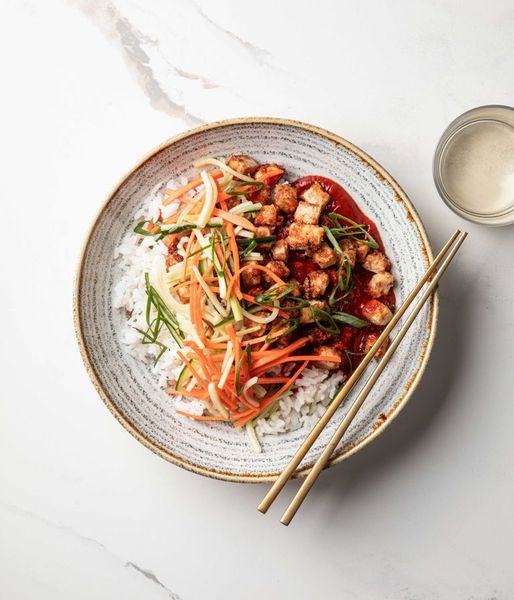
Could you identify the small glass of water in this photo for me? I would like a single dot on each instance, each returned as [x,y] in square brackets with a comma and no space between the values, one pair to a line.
[474,165]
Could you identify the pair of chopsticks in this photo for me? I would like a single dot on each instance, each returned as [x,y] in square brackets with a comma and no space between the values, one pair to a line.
[451,246]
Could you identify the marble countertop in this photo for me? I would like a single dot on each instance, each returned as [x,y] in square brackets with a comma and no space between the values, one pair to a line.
[426,511]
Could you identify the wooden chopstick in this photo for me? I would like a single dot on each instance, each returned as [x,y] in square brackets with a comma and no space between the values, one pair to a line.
[350,415]
[352,380]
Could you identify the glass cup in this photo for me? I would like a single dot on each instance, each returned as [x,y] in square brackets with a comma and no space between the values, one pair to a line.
[474,165]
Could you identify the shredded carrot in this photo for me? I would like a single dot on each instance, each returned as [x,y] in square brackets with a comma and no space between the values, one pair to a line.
[307,357]
[169,239]
[202,417]
[267,401]
[223,197]
[269,174]
[235,219]
[198,394]
[174,194]
[195,373]
[279,352]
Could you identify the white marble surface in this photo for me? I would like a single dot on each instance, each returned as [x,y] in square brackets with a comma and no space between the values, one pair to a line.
[425,512]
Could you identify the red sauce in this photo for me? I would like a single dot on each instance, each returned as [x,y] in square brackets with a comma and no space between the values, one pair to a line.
[350,339]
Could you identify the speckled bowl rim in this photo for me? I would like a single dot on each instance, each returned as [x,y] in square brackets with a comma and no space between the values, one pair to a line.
[377,428]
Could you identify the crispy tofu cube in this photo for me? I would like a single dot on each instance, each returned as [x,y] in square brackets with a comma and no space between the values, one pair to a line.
[316,336]
[250,276]
[279,268]
[328,351]
[368,342]
[284,198]
[362,251]
[304,237]
[307,213]
[280,251]
[183,294]
[266,216]
[172,259]
[376,262]
[243,164]
[316,195]
[315,284]
[306,312]
[260,232]
[380,284]
[376,312]
[263,195]
[349,251]
[325,256]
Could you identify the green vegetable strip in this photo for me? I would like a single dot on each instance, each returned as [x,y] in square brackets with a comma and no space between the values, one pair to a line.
[321,317]
[237,189]
[348,319]
[333,241]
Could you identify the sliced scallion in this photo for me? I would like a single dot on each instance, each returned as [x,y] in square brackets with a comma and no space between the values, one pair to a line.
[347,319]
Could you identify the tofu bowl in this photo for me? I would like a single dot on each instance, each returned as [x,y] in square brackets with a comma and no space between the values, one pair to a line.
[274,211]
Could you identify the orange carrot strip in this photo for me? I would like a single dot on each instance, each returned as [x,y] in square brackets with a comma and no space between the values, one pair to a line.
[277,353]
[222,199]
[202,417]
[200,358]
[174,194]
[169,239]
[197,394]
[235,219]
[269,173]
[306,357]
[267,401]
[272,379]
[195,373]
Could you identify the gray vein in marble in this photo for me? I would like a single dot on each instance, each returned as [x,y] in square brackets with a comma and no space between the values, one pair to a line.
[152,577]
[132,41]
[260,54]
[206,83]
[70,531]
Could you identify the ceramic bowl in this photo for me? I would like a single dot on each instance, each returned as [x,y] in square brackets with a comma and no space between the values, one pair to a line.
[129,389]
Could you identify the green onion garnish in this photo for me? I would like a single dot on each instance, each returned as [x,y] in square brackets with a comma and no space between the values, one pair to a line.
[343,283]
[257,240]
[333,240]
[163,318]
[353,230]
[324,321]
[250,248]
[348,319]
[276,332]
[275,293]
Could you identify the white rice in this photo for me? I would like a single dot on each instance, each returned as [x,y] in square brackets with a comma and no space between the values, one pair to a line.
[301,406]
